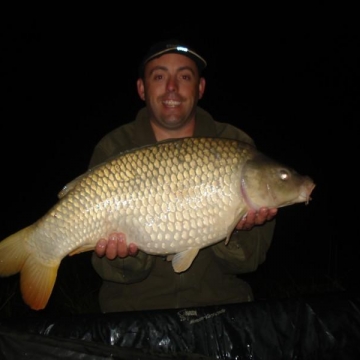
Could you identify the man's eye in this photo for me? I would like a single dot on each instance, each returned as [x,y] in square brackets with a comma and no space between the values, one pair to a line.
[158,77]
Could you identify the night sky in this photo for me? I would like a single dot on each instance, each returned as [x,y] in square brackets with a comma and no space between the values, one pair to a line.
[290,82]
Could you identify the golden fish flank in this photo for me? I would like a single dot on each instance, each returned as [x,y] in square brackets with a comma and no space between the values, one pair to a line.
[172,198]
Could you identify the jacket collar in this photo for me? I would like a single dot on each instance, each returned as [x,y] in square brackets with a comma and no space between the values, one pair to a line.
[144,134]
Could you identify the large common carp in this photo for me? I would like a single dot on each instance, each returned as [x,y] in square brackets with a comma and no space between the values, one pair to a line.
[172,198]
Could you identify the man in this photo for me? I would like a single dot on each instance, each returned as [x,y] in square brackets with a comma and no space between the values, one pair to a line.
[171,85]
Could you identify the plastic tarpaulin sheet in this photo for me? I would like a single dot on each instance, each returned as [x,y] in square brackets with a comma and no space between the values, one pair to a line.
[320,327]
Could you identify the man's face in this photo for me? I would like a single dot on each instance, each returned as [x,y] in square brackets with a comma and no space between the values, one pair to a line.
[171,89]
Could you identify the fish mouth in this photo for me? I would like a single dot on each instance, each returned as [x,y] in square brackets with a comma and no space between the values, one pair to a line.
[304,195]
[306,191]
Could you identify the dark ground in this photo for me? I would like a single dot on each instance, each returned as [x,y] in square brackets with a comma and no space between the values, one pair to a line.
[291,84]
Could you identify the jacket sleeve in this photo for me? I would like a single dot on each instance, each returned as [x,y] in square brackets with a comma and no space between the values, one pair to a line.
[124,270]
[246,249]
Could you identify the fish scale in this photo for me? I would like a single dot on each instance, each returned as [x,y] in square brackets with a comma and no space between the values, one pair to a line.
[172,198]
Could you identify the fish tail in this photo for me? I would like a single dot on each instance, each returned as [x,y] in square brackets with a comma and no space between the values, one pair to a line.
[36,278]
[13,253]
[37,282]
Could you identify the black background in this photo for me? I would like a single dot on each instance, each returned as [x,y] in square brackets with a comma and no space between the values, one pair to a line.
[288,76]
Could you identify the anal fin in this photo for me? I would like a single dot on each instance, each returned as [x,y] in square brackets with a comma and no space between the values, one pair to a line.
[82,249]
[182,261]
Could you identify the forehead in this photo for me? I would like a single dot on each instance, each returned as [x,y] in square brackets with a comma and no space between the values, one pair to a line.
[172,62]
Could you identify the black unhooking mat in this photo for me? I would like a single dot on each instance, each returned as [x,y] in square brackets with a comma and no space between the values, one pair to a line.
[320,327]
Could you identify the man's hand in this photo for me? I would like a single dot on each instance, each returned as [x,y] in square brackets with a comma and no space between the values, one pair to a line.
[253,218]
[115,246]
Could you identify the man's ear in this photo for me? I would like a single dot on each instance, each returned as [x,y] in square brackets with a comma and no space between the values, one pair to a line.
[141,88]
[202,84]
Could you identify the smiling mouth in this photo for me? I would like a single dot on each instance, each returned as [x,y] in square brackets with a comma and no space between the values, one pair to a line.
[171,103]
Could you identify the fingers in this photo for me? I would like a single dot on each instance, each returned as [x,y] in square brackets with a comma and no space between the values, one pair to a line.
[271,214]
[115,246]
[100,247]
[133,250]
[264,214]
[253,218]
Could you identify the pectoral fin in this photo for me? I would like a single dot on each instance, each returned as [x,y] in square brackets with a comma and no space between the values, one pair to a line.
[227,238]
[182,261]
[234,223]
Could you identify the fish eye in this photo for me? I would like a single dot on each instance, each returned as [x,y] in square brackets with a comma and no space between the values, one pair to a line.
[284,175]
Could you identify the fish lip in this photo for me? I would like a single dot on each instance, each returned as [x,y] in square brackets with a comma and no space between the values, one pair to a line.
[306,194]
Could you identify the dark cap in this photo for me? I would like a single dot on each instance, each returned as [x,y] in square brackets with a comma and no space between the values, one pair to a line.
[174,47]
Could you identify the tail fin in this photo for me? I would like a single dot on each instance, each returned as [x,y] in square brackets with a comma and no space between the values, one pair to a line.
[13,253]
[36,278]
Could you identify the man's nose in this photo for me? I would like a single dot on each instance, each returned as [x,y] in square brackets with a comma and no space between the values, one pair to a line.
[172,84]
